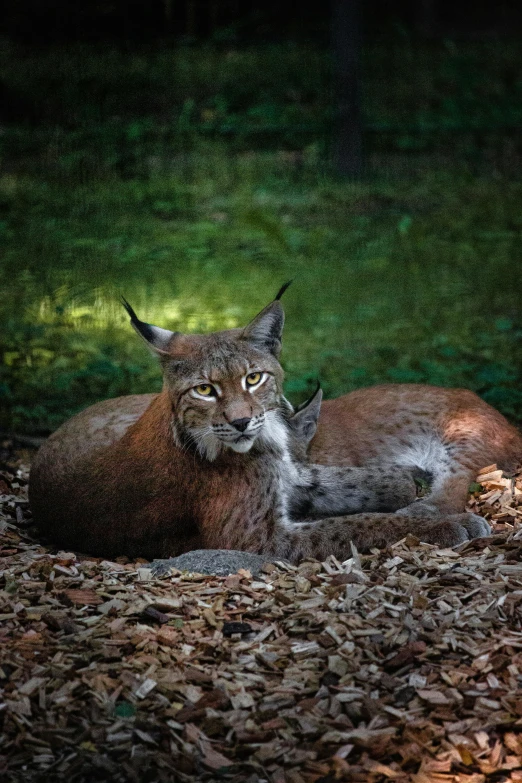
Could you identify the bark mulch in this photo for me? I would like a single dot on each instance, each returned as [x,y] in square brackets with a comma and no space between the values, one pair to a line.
[400,665]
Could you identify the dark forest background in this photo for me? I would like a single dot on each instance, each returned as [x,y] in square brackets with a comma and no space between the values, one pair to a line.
[194,155]
[40,22]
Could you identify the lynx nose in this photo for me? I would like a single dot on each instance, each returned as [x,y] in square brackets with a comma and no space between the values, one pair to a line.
[241,424]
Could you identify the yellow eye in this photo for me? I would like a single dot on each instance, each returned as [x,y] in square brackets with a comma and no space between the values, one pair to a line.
[205,390]
[253,378]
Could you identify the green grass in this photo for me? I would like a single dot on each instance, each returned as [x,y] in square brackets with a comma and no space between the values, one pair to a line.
[403,278]
[406,282]
[446,83]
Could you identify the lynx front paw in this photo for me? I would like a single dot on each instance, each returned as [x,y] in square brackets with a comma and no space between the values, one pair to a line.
[455,530]
[395,489]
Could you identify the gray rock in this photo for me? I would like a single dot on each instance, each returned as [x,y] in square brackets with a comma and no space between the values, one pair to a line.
[216,562]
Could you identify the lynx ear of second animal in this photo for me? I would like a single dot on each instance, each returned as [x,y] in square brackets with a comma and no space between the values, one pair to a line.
[302,425]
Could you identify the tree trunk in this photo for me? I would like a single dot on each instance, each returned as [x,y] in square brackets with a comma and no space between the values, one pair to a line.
[346,42]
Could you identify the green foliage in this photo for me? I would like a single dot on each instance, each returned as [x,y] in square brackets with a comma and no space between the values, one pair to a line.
[475,488]
[124,710]
[99,109]
[138,178]
[49,372]
[375,299]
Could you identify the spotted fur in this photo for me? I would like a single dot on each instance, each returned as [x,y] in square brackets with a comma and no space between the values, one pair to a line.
[217,460]
[450,433]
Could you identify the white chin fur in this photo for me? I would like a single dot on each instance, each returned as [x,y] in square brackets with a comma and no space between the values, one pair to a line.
[273,433]
[242,446]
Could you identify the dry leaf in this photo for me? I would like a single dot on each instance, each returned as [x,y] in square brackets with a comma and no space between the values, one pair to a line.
[83,597]
[396,665]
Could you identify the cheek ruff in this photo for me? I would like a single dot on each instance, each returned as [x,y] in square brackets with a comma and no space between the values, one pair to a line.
[274,433]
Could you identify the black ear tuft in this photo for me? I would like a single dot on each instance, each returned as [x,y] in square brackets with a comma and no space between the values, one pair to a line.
[129,309]
[144,329]
[156,338]
[313,403]
[140,326]
[282,290]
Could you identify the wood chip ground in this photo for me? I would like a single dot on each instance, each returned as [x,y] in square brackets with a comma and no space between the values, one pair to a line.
[401,665]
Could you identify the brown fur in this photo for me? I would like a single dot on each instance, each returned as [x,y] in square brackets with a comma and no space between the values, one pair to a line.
[397,423]
[157,475]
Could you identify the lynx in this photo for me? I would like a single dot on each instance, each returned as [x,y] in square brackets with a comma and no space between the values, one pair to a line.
[450,433]
[214,461]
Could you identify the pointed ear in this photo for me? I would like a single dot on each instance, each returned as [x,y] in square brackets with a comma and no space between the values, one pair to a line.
[156,338]
[304,421]
[266,330]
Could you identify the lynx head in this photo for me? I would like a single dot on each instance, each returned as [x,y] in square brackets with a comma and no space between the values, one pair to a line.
[226,387]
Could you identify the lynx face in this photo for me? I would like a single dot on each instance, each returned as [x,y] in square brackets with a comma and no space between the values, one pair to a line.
[225,387]
[226,395]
